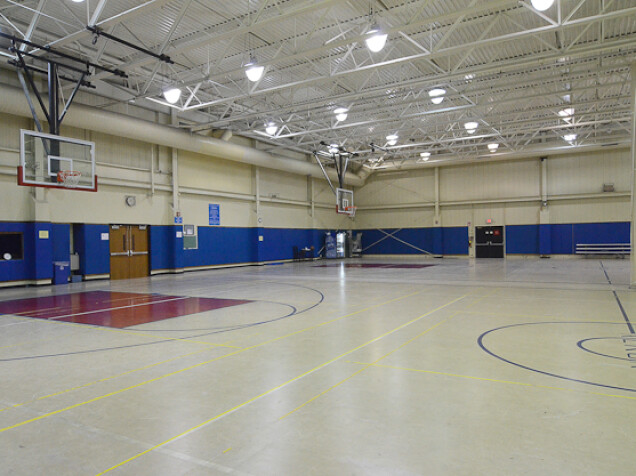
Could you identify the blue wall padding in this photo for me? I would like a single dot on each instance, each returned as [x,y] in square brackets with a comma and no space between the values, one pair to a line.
[587,233]
[94,253]
[522,239]
[545,239]
[561,239]
[166,248]
[43,262]
[438,240]
[61,241]
[455,240]
[378,241]
[222,245]
[278,243]
[227,245]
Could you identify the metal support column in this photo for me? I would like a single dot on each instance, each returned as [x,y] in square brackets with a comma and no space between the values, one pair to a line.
[632,279]
[438,218]
[175,170]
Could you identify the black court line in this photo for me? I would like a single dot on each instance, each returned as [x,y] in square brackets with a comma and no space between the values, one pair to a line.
[620,304]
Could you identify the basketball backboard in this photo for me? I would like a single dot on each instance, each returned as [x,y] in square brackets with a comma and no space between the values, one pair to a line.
[52,161]
[344,202]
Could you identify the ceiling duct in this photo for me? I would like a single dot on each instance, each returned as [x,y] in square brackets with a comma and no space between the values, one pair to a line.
[120,125]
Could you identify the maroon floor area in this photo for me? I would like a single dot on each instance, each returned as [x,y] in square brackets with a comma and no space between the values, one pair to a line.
[374,265]
[112,309]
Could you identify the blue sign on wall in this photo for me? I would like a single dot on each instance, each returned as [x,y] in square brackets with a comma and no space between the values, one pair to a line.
[178,220]
[215,214]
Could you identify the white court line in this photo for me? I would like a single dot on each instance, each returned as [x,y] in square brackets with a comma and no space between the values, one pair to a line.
[115,308]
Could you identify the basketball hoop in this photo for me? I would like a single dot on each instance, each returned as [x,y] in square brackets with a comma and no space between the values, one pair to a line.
[351,211]
[69,178]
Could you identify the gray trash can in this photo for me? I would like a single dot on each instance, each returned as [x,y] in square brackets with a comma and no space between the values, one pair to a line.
[61,272]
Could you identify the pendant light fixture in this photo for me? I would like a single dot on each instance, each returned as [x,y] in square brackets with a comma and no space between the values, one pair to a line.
[172,94]
[253,71]
[541,5]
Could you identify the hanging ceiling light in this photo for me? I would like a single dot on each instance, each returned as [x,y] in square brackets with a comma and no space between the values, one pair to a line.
[437,95]
[172,95]
[541,5]
[333,148]
[471,127]
[566,114]
[253,71]
[424,156]
[376,39]
[469,77]
[271,128]
[341,113]
[78,1]
[392,139]
[493,147]
[569,138]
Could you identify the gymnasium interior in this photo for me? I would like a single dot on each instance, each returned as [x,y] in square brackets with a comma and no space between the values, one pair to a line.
[317,237]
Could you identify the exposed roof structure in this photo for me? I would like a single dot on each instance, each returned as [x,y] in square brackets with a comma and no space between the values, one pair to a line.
[531,80]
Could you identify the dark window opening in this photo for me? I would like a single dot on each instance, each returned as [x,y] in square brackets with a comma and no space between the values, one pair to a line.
[11,246]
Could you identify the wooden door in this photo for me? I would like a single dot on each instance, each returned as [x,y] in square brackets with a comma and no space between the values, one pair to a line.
[119,266]
[138,251]
[128,251]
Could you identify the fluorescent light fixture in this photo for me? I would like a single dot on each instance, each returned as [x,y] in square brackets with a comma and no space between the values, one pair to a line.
[424,156]
[78,1]
[271,128]
[570,137]
[392,139]
[172,95]
[493,147]
[469,77]
[253,71]
[541,5]
[341,113]
[471,127]
[333,148]
[376,40]
[437,95]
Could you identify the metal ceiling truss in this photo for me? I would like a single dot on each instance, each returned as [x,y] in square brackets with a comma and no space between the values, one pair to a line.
[502,63]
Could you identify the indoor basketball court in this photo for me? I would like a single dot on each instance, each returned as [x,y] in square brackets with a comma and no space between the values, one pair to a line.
[317,237]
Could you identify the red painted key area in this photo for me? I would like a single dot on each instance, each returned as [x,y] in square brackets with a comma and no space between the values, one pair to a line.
[112,309]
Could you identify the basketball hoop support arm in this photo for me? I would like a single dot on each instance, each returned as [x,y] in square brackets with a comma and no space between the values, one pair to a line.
[322,167]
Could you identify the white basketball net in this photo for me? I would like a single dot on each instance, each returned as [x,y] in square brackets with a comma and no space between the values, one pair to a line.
[69,178]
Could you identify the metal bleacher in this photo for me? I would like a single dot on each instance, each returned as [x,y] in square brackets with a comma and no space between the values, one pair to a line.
[612,249]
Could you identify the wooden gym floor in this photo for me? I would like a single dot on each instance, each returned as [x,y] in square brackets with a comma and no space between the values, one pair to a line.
[464,367]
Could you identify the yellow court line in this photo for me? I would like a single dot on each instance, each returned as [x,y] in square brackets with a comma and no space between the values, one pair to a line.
[369,365]
[511,382]
[200,364]
[105,379]
[278,387]
[390,353]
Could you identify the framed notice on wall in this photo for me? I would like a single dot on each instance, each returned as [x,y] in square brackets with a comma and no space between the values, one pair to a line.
[215,214]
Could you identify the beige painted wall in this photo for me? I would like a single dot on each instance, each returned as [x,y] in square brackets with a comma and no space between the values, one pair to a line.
[127,167]
[508,192]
